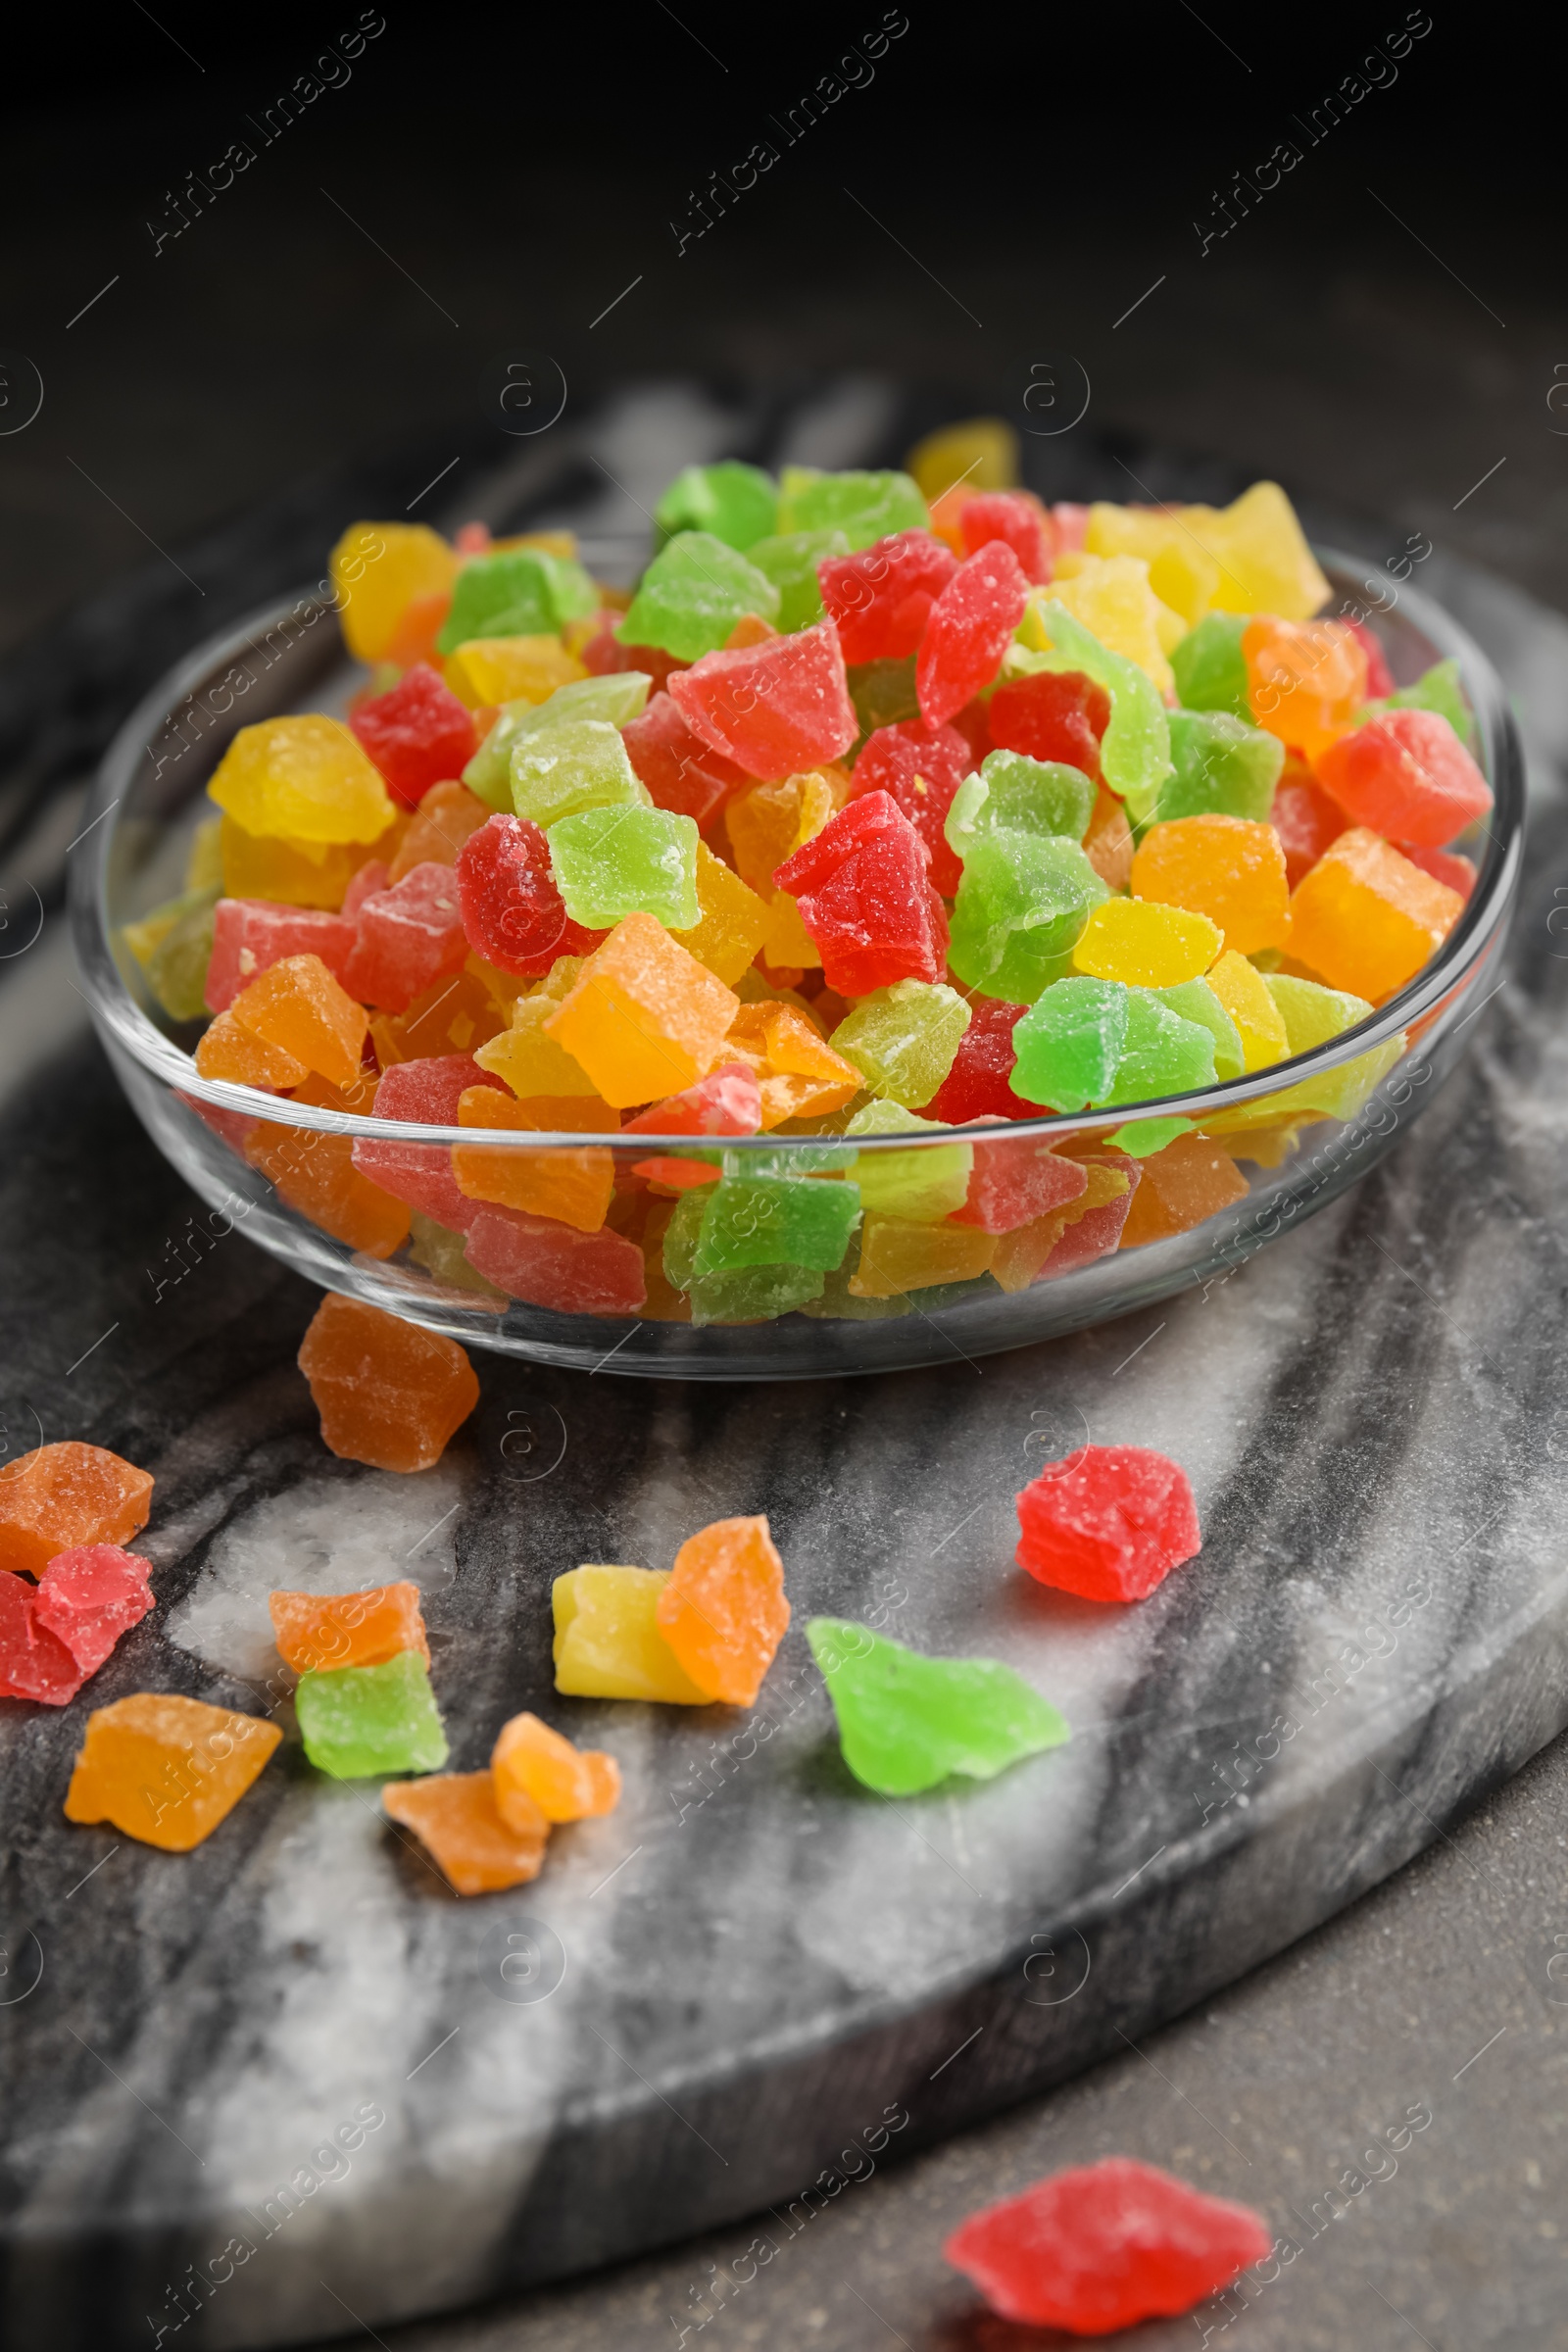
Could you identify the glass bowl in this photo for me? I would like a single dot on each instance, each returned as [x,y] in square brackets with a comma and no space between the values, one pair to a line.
[1264,1152]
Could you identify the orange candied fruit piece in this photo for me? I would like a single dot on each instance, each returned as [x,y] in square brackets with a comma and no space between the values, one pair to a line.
[317,1631]
[390,1393]
[1305,679]
[1365,919]
[298,1006]
[533,1766]
[440,825]
[643,1019]
[454,1015]
[167,1770]
[314,1172]
[724,1611]
[229,1051]
[1222,867]
[62,1496]
[456,1819]
[575,1186]
[798,1073]
[1190,1180]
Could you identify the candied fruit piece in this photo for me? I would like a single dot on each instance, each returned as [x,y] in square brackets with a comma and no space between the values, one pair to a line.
[316,1173]
[921,1186]
[733,923]
[512,912]
[1304,816]
[1017,518]
[756,1219]
[89,1596]
[1210,667]
[1190,1180]
[417,734]
[409,937]
[524,1058]
[1222,867]
[1109,1523]
[1057,715]
[167,1770]
[724,1611]
[61,1497]
[1100,2248]
[1145,946]
[736,504]
[979,1085]
[798,1075]
[575,1185]
[902,1039]
[608,1643]
[1266,565]
[692,595]
[250,935]
[455,1818]
[1306,681]
[880,600]
[427,1093]
[1013,793]
[1221,766]
[612,862]
[1069,1045]
[727,1102]
[645,1018]
[920,768]
[322,1630]
[357,1720]
[774,710]
[309,873]
[389,1393]
[488,672]
[908,1722]
[864,506]
[1016,1181]
[546,1263]
[533,1769]
[1366,918]
[1242,992]
[297,1009]
[515,592]
[678,770]
[1408,776]
[900,1254]
[443,821]
[35,1662]
[970,629]
[303,778]
[979,455]
[865,897]
[1021,911]
[1112,596]
[229,1051]
[378,570]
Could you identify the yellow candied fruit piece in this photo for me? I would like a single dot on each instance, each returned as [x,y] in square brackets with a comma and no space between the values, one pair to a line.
[645,1019]
[299,873]
[1111,595]
[608,1643]
[529,1061]
[305,779]
[981,454]
[1266,565]
[204,867]
[734,923]
[510,669]
[1146,945]
[377,568]
[1244,992]
[898,1255]
[1182,575]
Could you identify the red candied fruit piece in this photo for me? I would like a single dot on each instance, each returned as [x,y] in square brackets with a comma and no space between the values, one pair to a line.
[550,1264]
[864,895]
[417,734]
[1379,676]
[1109,1523]
[683,773]
[250,934]
[977,1086]
[727,1102]
[1406,774]
[426,1093]
[604,655]
[34,1663]
[363,883]
[1055,715]
[1443,866]
[409,937]
[1097,1233]
[775,709]
[87,1597]
[513,915]
[1306,820]
[921,767]
[881,599]
[1013,517]
[1104,2245]
[1015,1180]
[970,629]
[1070,523]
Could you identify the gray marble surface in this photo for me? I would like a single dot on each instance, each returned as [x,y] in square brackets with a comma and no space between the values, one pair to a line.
[751,1963]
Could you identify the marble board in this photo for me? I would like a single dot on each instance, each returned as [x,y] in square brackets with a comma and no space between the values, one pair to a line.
[287,2085]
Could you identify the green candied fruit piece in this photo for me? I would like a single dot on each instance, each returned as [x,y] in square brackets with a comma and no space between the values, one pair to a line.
[1161,1053]
[1222,767]
[732,502]
[1141,1139]
[883,694]
[1436,689]
[838,1303]
[753,1293]
[1312,1014]
[1134,749]
[1197,1002]
[908,1722]
[1069,1044]
[775,1221]
[681,1237]
[561,770]
[922,1186]
[522,592]
[902,1039]
[357,1720]
[790,561]
[1209,667]
[177,968]
[611,863]
[616,699]
[864,506]
[691,596]
[1022,902]
[444,1255]
[801,1159]
[1014,794]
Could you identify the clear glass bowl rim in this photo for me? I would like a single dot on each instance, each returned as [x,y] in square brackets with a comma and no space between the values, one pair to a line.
[113,1004]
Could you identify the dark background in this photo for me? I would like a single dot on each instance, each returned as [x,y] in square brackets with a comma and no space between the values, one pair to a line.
[1045,167]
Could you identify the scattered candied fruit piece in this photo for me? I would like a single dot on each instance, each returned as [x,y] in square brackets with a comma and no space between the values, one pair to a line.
[59,1497]
[908,1722]
[389,1393]
[455,1818]
[167,1770]
[607,1641]
[89,1596]
[534,1770]
[357,1720]
[724,1611]
[35,1662]
[1108,1523]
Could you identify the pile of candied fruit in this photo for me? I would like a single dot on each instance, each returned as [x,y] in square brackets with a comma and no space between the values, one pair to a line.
[860,817]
